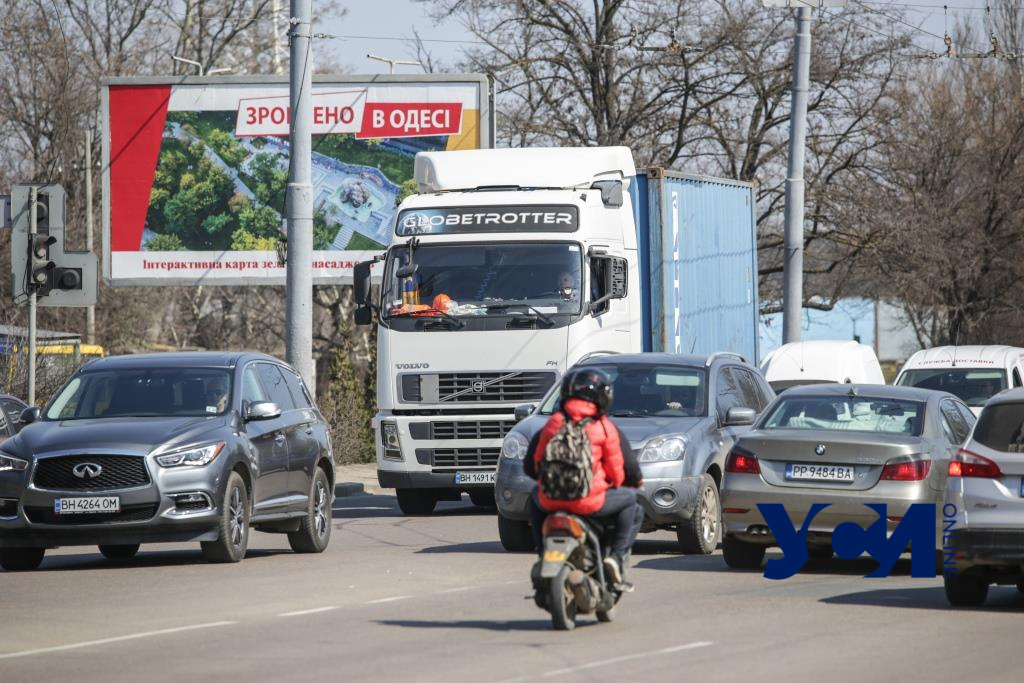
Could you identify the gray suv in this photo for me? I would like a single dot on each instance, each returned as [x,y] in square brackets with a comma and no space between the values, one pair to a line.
[168,448]
[681,414]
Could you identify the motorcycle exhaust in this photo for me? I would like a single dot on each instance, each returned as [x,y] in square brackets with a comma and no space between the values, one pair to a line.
[584,590]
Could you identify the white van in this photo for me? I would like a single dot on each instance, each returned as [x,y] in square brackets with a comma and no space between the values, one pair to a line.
[821,362]
[973,373]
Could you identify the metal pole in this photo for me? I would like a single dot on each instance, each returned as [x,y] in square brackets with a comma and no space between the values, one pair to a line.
[90,312]
[32,197]
[299,276]
[793,266]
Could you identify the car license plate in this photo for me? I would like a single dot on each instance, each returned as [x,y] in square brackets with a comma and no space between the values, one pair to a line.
[474,477]
[75,506]
[840,473]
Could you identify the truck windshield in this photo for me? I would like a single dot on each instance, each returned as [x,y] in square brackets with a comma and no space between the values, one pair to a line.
[490,278]
[973,386]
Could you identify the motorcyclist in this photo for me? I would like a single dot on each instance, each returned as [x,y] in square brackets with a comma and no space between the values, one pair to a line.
[587,392]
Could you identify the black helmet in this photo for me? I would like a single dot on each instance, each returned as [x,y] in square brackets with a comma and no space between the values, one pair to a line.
[589,384]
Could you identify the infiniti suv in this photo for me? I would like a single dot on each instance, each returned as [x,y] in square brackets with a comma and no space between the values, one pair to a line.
[169,447]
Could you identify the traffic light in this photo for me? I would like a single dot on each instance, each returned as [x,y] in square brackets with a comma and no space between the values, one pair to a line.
[40,240]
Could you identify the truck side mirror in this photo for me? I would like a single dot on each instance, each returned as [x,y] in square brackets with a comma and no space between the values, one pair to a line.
[362,315]
[618,268]
[361,282]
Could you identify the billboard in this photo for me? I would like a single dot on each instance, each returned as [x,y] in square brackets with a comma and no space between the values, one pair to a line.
[195,170]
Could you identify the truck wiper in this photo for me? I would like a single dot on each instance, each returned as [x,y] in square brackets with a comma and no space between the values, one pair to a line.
[429,314]
[501,307]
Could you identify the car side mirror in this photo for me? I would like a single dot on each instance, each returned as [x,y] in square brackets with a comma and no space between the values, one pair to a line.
[262,410]
[523,411]
[740,417]
[30,415]
[362,315]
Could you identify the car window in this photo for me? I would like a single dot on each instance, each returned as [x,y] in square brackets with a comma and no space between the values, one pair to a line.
[275,385]
[956,421]
[646,390]
[729,394]
[12,409]
[1016,378]
[5,426]
[297,388]
[973,386]
[599,282]
[846,413]
[749,391]
[1001,427]
[969,417]
[252,390]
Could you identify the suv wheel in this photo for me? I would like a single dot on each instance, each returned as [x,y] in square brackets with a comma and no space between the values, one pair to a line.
[119,552]
[699,535]
[233,540]
[315,528]
[21,559]
[965,591]
[742,555]
[416,501]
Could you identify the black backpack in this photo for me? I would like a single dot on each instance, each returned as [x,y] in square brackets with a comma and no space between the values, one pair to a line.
[567,468]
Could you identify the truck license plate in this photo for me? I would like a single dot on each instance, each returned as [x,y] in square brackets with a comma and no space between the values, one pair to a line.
[74,506]
[474,477]
[839,473]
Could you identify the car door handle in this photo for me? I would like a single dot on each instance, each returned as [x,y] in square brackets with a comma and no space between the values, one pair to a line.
[309,429]
[279,439]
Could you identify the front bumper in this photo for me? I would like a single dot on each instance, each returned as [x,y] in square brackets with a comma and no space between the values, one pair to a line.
[149,513]
[670,501]
[512,490]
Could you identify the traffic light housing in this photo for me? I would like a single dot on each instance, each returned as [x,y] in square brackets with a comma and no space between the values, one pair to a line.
[39,262]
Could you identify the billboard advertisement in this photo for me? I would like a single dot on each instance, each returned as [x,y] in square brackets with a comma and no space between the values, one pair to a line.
[195,170]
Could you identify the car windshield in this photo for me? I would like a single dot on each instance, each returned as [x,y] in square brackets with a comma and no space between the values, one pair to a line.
[492,278]
[136,392]
[973,386]
[649,391]
[846,413]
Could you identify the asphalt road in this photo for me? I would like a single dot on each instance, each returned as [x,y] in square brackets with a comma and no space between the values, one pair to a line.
[436,599]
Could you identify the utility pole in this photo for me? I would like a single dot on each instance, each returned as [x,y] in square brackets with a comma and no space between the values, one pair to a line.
[299,199]
[90,312]
[793,239]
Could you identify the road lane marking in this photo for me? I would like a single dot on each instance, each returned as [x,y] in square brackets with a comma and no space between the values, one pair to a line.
[308,611]
[117,639]
[614,660]
[460,589]
[391,599]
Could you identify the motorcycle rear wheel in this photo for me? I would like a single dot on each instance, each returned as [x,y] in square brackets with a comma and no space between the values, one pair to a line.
[561,601]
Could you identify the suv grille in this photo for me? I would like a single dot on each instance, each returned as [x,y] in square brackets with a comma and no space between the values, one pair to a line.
[118,472]
[128,513]
[444,458]
[493,386]
[471,430]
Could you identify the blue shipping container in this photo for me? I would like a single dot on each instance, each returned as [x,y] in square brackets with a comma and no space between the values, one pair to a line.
[698,263]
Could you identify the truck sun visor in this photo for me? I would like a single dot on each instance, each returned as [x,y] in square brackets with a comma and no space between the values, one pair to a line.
[490,218]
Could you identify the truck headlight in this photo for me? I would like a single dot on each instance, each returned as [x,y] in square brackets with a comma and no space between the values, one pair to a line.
[664,448]
[9,463]
[514,446]
[389,441]
[194,456]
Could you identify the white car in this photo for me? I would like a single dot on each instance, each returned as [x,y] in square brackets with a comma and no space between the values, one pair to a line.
[972,373]
[824,361]
[983,532]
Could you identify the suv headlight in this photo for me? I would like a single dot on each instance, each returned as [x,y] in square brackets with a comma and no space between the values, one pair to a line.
[514,446]
[664,448]
[9,463]
[195,456]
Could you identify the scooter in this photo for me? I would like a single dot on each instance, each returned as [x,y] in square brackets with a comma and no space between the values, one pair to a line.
[570,579]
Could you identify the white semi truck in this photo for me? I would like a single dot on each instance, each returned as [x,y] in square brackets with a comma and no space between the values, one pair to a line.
[510,266]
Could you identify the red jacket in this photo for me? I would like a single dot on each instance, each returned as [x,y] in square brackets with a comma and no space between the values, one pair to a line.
[609,471]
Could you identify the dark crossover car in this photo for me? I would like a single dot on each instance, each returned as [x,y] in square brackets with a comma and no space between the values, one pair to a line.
[168,448]
[681,415]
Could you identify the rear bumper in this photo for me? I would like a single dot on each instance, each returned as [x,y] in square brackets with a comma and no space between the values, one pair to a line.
[982,546]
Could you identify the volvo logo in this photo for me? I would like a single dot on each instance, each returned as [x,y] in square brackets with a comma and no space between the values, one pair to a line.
[87,470]
[412,366]
[478,387]
[820,449]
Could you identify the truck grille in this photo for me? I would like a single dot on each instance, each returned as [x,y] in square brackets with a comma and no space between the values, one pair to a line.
[492,429]
[117,472]
[447,458]
[129,513]
[508,387]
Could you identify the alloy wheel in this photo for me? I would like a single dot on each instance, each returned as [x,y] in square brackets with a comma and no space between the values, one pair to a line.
[236,511]
[709,516]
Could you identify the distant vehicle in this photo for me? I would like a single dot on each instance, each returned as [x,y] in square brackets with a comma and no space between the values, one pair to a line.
[681,415]
[821,362]
[168,448]
[973,373]
[11,408]
[843,445]
[986,484]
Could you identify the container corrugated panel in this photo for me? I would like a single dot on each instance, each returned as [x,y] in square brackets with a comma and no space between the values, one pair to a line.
[701,264]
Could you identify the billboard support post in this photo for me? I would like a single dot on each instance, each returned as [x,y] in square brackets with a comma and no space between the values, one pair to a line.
[33,207]
[299,201]
[90,312]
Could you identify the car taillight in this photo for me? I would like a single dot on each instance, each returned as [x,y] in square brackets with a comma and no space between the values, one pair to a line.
[742,462]
[554,524]
[968,464]
[907,470]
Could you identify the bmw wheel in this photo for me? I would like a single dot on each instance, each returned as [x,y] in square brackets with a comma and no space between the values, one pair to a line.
[742,555]
[233,540]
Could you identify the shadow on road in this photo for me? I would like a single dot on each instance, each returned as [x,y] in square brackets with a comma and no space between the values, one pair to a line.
[481,625]
[715,563]
[475,547]
[145,558]
[378,505]
[1000,598]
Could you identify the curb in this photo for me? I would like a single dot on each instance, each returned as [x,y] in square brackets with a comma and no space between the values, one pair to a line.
[348,488]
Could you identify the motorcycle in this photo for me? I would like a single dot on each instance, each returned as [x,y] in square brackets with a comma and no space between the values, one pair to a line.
[570,578]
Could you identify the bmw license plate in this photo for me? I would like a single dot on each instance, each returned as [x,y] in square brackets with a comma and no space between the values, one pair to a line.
[474,477]
[840,473]
[93,504]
